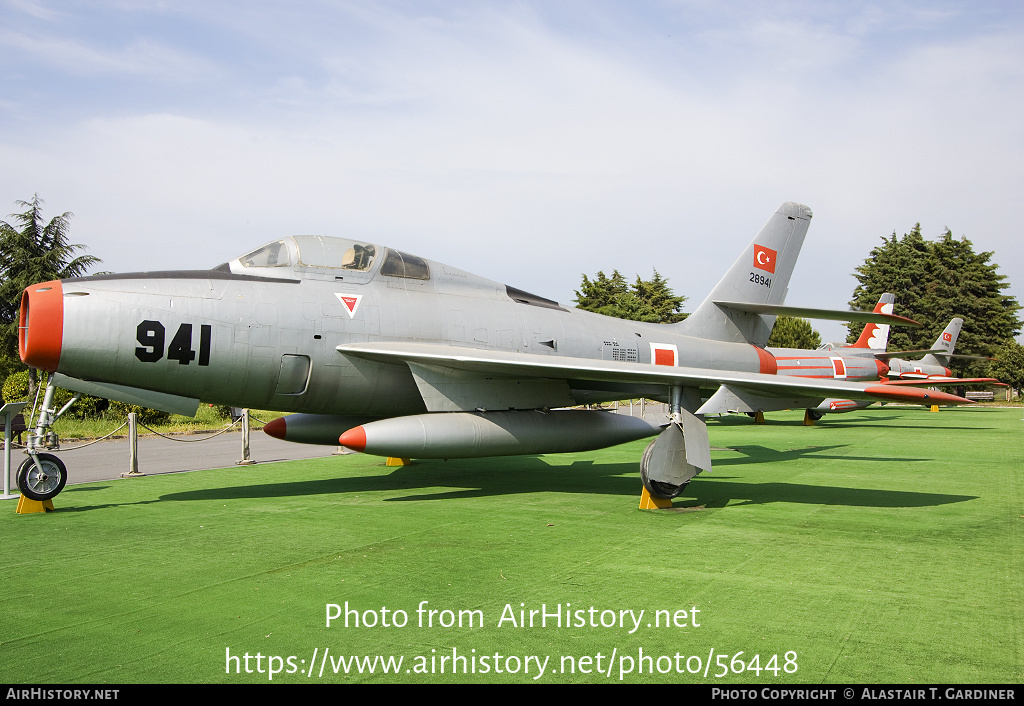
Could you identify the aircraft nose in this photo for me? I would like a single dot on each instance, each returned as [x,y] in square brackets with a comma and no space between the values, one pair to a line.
[41,325]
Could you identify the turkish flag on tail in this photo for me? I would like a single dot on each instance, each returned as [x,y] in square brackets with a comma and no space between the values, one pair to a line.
[764,258]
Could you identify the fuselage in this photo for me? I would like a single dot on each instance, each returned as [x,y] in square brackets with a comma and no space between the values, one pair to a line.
[829,363]
[263,333]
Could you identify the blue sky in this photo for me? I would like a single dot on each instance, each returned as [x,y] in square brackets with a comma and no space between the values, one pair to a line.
[528,141]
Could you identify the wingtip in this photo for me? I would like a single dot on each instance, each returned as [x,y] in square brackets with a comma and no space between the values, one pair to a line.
[914,395]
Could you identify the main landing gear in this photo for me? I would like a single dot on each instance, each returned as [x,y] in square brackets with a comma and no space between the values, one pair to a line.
[657,489]
[680,451]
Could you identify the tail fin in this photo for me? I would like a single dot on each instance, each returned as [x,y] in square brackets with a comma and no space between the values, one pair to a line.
[947,342]
[760,275]
[876,336]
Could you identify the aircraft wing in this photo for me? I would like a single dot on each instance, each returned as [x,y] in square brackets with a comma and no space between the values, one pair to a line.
[870,317]
[460,379]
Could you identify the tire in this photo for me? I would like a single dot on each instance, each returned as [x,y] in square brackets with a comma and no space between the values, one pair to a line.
[36,485]
[815,414]
[657,489]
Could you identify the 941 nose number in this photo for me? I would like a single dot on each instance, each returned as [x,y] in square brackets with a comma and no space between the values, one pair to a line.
[152,335]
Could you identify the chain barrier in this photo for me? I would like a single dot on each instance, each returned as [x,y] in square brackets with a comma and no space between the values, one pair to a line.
[16,445]
[95,441]
[192,441]
[133,423]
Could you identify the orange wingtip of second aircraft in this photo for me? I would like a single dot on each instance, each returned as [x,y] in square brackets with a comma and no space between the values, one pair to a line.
[915,395]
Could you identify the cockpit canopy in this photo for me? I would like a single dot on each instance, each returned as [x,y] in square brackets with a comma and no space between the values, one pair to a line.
[312,251]
[302,255]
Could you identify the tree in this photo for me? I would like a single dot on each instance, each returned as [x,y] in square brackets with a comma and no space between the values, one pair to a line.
[601,294]
[31,251]
[793,332]
[933,283]
[646,300]
[896,266]
[1009,365]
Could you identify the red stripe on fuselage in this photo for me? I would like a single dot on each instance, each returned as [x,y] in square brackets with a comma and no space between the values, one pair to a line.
[767,362]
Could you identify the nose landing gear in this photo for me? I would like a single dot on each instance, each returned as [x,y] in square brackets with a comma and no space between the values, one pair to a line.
[42,476]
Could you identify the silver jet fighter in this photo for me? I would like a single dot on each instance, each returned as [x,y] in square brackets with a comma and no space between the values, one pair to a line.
[841,361]
[396,355]
[864,360]
[933,364]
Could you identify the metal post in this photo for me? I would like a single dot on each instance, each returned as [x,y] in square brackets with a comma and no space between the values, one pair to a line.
[133,445]
[9,411]
[246,461]
[7,455]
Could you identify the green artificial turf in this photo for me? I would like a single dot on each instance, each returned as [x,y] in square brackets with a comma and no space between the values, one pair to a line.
[881,546]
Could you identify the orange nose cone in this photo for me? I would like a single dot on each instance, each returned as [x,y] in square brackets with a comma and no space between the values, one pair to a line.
[277,428]
[883,369]
[41,325]
[354,439]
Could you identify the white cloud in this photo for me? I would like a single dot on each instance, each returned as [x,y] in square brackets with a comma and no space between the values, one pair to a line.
[138,58]
[533,148]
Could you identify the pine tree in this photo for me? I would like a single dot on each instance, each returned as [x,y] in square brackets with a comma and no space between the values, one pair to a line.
[602,294]
[646,300]
[1009,365]
[933,283]
[793,332]
[660,303]
[896,266]
[34,251]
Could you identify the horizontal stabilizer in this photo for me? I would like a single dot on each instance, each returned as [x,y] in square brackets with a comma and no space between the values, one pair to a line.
[829,314]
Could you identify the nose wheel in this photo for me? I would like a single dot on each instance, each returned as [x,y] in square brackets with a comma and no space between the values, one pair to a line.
[44,480]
